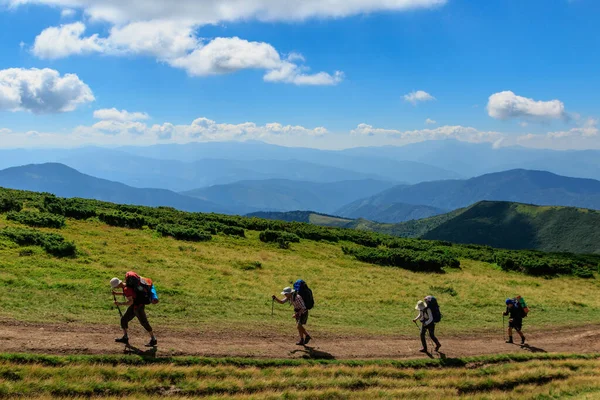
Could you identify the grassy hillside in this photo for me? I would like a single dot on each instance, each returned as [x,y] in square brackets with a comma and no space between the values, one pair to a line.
[226,282]
[521,226]
[388,212]
[304,216]
[505,377]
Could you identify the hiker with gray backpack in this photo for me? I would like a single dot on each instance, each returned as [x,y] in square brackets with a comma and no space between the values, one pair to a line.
[516,309]
[138,292]
[429,315]
[302,299]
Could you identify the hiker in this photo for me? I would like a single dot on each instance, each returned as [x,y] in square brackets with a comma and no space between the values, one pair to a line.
[515,320]
[300,312]
[136,307]
[427,325]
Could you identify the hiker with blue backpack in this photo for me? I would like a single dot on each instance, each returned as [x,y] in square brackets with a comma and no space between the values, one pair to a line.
[138,292]
[517,310]
[429,315]
[302,300]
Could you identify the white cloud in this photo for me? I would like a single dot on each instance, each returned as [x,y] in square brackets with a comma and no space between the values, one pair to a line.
[112,114]
[417,97]
[203,12]
[177,45]
[41,91]
[430,121]
[5,131]
[507,105]
[585,136]
[67,13]
[466,134]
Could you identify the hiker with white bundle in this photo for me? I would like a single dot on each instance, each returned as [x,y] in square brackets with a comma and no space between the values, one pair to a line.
[516,309]
[138,292]
[302,299]
[429,315]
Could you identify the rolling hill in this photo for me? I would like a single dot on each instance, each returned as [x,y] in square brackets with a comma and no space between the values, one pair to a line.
[522,226]
[523,186]
[287,195]
[63,181]
[387,213]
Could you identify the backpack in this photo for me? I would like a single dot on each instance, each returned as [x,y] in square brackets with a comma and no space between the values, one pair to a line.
[519,303]
[142,287]
[304,291]
[433,305]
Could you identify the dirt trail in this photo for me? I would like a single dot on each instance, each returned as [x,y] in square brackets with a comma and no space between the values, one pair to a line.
[20,337]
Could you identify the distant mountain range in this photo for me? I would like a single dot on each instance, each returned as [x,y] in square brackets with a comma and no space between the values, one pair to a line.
[63,181]
[283,195]
[533,187]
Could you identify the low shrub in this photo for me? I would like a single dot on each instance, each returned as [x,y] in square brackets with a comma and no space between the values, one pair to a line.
[123,219]
[37,219]
[10,204]
[403,258]
[51,242]
[283,239]
[183,233]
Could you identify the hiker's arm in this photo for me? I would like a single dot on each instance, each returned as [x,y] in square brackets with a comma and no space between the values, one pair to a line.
[118,293]
[417,317]
[125,303]
[429,316]
[279,301]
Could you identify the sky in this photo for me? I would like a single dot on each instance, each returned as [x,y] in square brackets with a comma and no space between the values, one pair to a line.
[314,73]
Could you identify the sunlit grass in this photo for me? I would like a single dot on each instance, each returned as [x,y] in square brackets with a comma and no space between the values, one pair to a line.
[539,377]
[205,286]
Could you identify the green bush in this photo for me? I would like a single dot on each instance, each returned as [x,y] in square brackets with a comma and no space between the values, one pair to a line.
[183,233]
[71,208]
[123,219]
[51,242]
[37,219]
[278,237]
[407,259]
[10,204]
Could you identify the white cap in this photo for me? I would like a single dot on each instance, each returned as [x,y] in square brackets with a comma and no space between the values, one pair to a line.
[114,282]
[287,290]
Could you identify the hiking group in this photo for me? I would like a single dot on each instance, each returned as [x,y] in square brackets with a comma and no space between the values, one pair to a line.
[139,292]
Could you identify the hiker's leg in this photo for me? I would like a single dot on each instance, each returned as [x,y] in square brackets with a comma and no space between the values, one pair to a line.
[128,316]
[431,328]
[423,341]
[140,313]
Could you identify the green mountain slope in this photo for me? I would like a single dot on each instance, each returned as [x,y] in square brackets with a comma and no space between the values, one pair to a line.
[388,213]
[521,226]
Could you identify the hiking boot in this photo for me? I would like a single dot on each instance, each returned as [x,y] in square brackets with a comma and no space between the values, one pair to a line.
[510,340]
[152,343]
[124,340]
[307,339]
[423,350]
[523,340]
[300,343]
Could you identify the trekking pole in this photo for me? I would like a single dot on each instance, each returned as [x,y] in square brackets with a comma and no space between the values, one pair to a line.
[503,330]
[118,308]
[272,307]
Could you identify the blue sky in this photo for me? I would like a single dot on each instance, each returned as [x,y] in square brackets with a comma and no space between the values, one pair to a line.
[507,72]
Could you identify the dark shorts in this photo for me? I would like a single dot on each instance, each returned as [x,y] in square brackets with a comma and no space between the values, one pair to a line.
[516,324]
[302,319]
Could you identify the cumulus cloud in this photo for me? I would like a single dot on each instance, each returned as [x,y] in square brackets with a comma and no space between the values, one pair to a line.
[418,97]
[430,121]
[41,91]
[203,12]
[585,136]
[67,13]
[176,44]
[466,134]
[112,114]
[506,105]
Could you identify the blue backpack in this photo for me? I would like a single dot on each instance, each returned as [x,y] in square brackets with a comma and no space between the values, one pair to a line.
[304,291]
[433,305]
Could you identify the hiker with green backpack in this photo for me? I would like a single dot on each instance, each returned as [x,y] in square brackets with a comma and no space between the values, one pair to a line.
[429,315]
[138,292]
[517,310]
[302,300]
